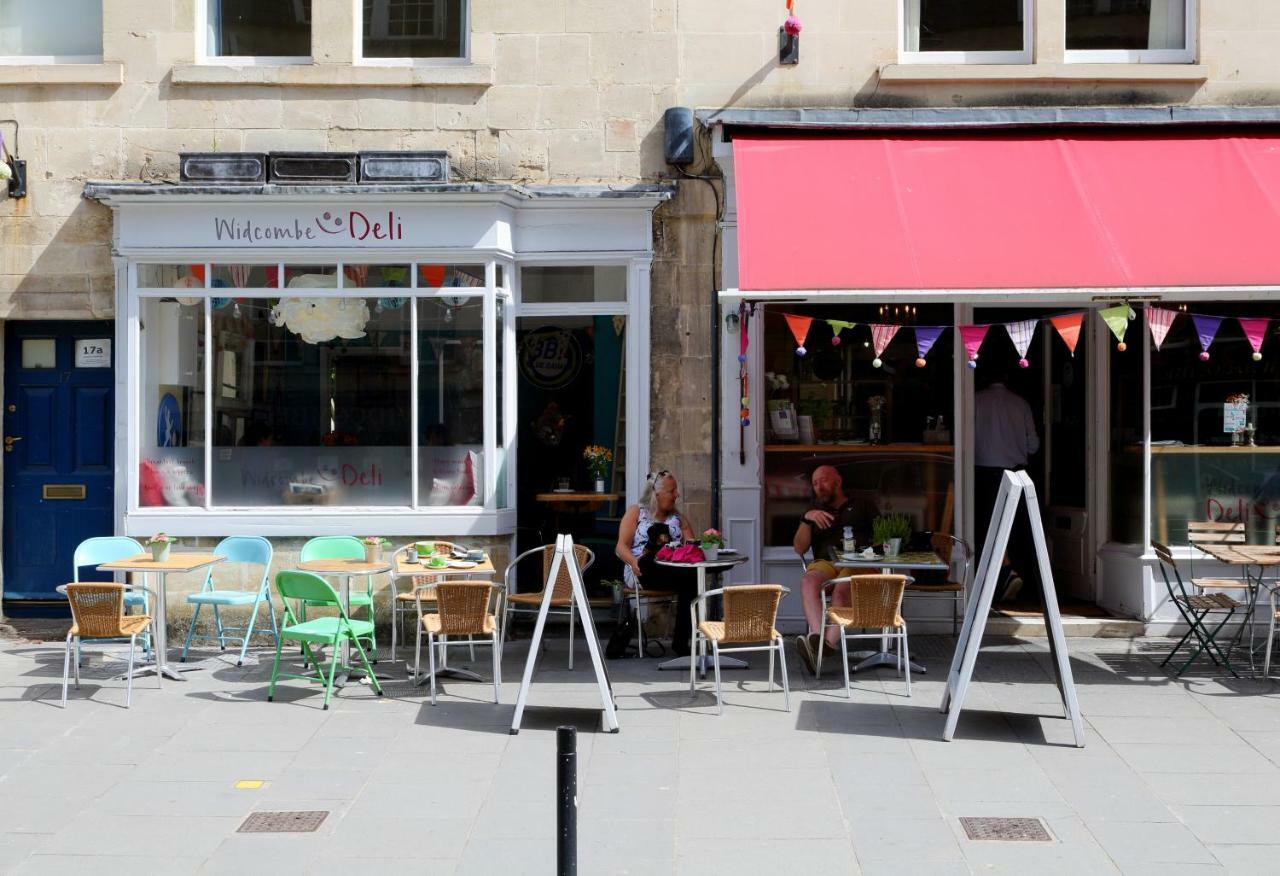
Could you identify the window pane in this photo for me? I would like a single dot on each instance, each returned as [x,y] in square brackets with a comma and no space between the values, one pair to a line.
[450,276]
[964,25]
[451,401]
[245,276]
[280,28]
[414,28]
[573,284]
[376,276]
[171,470]
[311,403]
[503,312]
[1126,24]
[39,353]
[1126,441]
[171,276]
[51,27]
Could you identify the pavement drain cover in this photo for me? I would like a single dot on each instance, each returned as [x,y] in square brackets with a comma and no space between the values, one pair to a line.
[1009,830]
[283,822]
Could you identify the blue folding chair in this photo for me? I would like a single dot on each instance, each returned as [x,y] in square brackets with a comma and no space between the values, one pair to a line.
[252,549]
[108,549]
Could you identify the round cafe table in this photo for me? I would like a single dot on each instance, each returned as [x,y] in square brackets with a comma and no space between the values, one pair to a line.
[722,563]
[343,571]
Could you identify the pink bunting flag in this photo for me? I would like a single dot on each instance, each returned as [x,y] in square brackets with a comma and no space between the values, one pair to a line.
[1160,320]
[1206,330]
[926,337]
[1256,331]
[881,335]
[1021,333]
[799,326]
[1068,326]
[972,336]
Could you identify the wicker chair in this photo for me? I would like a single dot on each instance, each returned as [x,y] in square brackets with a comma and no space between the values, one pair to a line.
[750,613]
[876,603]
[463,608]
[561,594]
[97,612]
[406,604]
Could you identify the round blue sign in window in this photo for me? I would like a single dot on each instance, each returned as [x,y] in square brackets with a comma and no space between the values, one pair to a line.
[169,422]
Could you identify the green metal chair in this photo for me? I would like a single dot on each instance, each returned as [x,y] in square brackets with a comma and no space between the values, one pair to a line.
[342,547]
[311,589]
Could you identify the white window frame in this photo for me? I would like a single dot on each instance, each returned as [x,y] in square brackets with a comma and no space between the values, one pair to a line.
[1184,55]
[8,60]
[357,9]
[1023,56]
[203,55]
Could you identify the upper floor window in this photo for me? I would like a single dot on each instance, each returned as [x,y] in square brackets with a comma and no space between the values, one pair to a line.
[966,31]
[51,31]
[1129,31]
[259,29]
[413,29]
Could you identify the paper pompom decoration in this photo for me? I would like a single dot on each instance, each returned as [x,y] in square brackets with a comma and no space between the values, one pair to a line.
[1257,357]
[1121,347]
[6,172]
[792,26]
[1023,363]
[972,363]
[800,351]
[1204,356]
[742,358]
[835,340]
[920,363]
[877,362]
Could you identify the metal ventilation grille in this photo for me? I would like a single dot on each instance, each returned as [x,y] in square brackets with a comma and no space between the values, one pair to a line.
[1008,830]
[283,822]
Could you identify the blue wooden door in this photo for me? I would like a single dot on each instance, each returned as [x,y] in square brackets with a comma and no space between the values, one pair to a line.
[58,451]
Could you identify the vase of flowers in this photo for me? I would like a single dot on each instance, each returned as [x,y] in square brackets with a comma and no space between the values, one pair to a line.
[875,433]
[373,548]
[159,545]
[711,541]
[890,531]
[598,461]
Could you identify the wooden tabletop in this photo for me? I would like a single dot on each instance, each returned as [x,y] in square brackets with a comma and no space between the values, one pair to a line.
[577,497]
[344,567]
[176,563]
[484,567]
[1243,554]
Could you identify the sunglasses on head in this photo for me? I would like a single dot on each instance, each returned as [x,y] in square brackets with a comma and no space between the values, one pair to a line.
[657,476]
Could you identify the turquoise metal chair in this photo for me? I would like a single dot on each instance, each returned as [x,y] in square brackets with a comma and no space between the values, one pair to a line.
[251,549]
[342,547]
[311,589]
[108,549]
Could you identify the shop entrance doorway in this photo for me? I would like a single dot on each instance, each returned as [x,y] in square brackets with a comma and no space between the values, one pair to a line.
[1055,384]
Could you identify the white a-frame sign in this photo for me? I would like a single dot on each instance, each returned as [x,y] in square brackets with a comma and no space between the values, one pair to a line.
[1016,487]
[565,557]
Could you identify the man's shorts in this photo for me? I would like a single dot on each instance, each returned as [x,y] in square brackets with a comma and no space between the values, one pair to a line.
[829,570]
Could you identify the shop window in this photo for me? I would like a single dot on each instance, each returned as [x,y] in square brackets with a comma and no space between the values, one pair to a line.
[259,28]
[1215,426]
[451,461]
[1131,30]
[1126,475]
[573,284]
[966,31]
[887,430]
[414,29]
[51,31]
[172,432]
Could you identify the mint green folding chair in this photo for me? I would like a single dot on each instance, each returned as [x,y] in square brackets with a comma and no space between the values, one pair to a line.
[342,547]
[329,631]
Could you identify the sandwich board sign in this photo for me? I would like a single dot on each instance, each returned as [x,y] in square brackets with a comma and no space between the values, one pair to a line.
[1015,488]
[566,558]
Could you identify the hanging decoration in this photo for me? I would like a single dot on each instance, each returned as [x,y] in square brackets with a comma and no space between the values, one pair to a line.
[881,335]
[1160,320]
[432,276]
[1206,330]
[1022,333]
[792,25]
[972,337]
[926,337]
[744,412]
[799,330]
[1068,326]
[837,326]
[1117,319]
[317,320]
[1256,331]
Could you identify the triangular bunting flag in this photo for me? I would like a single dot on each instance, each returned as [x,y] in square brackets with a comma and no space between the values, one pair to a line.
[1207,330]
[1160,320]
[1021,333]
[881,335]
[1255,330]
[926,337]
[799,330]
[972,336]
[1068,326]
[1117,319]
[837,326]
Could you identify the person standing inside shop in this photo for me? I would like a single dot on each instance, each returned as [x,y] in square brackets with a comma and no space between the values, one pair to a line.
[1005,437]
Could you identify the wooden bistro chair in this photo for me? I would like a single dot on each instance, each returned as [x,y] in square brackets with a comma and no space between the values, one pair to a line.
[405,603]
[959,559]
[1195,608]
[876,604]
[750,615]
[561,589]
[97,612]
[464,609]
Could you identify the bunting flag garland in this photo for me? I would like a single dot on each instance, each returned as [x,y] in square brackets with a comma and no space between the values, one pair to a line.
[1255,330]
[1207,330]
[1160,320]
[972,336]
[837,326]
[744,414]
[1117,319]
[1068,326]
[1021,333]
[881,335]
[926,337]
[799,330]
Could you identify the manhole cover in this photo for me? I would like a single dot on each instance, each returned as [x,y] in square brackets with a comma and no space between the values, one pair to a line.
[1008,830]
[282,822]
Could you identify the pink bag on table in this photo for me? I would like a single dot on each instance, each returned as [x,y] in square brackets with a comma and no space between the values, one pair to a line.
[685,553]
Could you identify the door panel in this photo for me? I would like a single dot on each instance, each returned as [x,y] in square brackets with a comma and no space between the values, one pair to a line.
[36,447]
[91,440]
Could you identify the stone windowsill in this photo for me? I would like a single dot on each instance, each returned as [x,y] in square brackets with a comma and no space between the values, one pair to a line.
[61,74]
[907,73]
[334,74]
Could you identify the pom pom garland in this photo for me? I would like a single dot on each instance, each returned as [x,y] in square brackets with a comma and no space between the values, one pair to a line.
[800,351]
[971,364]
[1122,346]
[877,362]
[1257,357]
[835,340]
[1023,363]
[1204,356]
[742,358]
[792,26]
[920,363]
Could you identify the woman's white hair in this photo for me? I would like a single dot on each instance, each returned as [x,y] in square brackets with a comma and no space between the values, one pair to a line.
[649,498]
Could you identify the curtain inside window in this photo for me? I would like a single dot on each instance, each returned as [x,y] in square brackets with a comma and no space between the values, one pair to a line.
[911,25]
[1168,26]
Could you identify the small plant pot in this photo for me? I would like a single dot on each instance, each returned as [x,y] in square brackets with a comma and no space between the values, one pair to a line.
[599,485]
[711,553]
[373,553]
[893,547]
[160,551]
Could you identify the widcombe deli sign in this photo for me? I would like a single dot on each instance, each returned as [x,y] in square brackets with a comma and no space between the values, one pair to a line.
[352,225]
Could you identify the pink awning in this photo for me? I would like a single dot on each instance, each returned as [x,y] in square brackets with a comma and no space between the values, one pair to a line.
[1007,210]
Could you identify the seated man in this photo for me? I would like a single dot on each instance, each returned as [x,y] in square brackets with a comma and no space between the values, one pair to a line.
[822,530]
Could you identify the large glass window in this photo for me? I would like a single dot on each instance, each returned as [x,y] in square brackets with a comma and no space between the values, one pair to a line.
[52,30]
[172,431]
[573,284]
[960,31]
[1127,446]
[1131,30]
[414,28]
[451,400]
[266,28]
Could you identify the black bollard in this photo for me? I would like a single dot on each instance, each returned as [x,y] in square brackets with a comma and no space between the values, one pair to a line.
[567,798]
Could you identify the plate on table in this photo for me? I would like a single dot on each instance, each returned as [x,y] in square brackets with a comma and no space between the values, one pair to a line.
[849,558]
[462,564]
[728,552]
[562,491]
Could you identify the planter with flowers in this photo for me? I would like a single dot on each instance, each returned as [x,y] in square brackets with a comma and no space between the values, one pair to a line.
[159,545]
[711,541]
[598,461]
[373,545]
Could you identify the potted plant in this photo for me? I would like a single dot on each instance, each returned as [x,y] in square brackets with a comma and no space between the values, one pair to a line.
[598,461]
[373,548]
[159,545]
[711,541]
[890,531]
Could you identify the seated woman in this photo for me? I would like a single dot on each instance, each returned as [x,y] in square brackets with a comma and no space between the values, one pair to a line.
[641,528]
